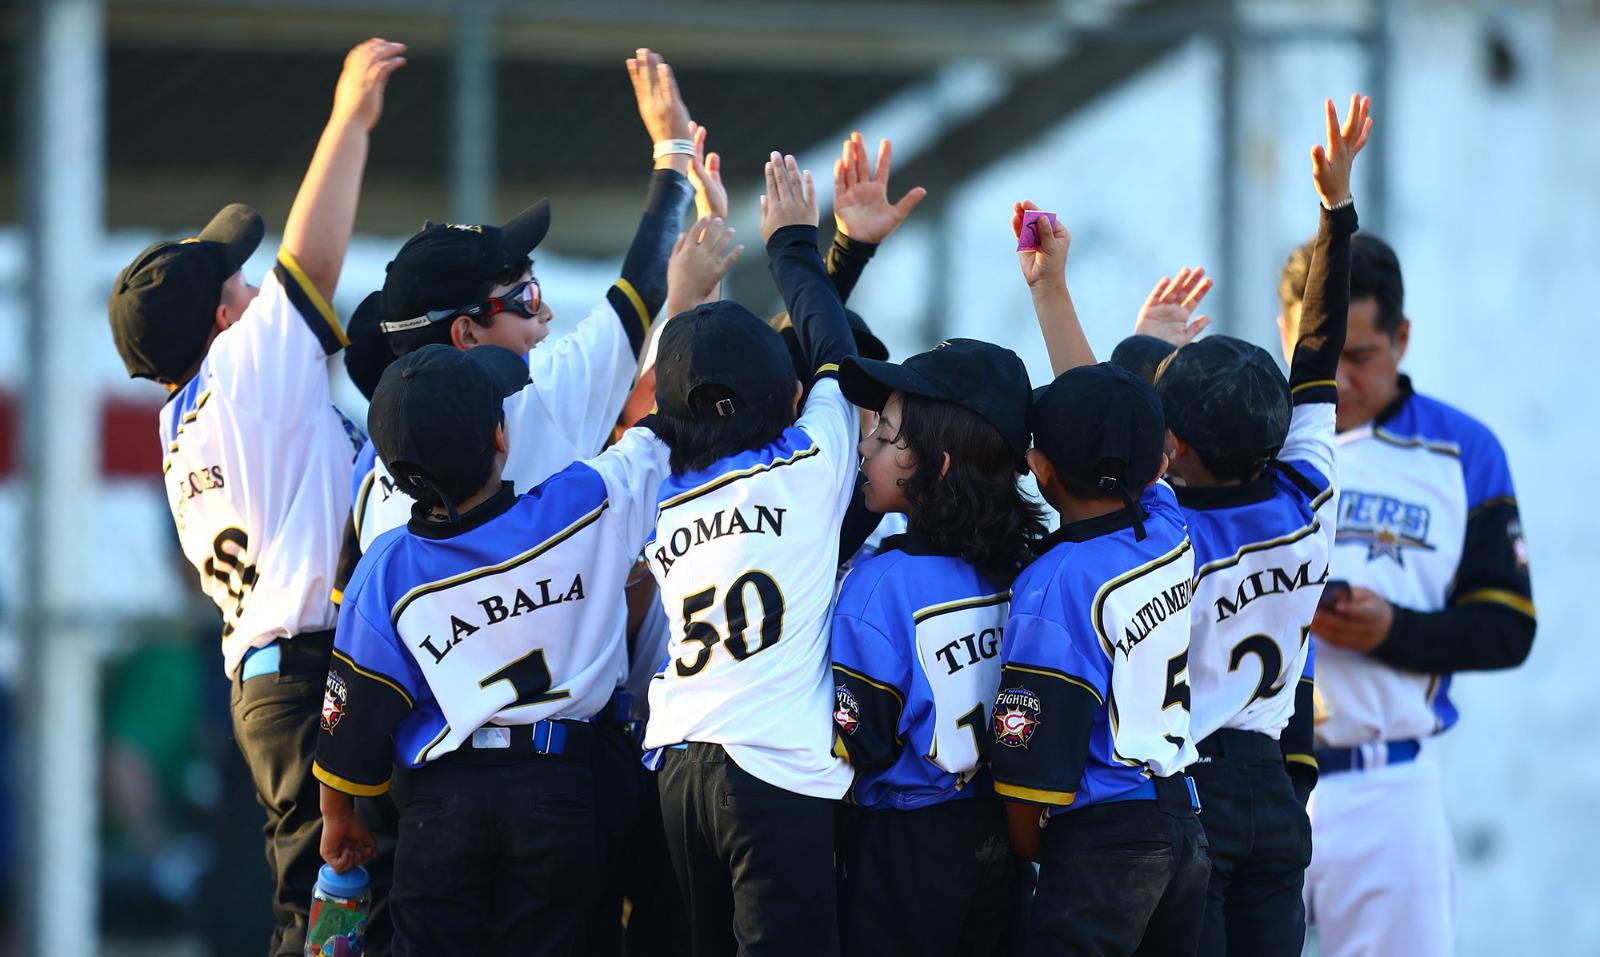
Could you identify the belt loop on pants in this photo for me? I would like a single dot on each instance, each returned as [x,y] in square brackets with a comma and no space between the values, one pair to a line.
[260,661]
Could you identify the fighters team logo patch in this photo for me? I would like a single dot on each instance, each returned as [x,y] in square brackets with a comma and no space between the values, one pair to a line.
[1016,717]
[333,701]
[847,711]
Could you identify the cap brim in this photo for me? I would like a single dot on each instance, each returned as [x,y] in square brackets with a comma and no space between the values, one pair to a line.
[507,370]
[527,229]
[868,383]
[238,229]
[867,344]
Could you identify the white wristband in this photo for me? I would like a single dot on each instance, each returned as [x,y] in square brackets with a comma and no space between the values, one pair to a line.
[1341,204]
[673,148]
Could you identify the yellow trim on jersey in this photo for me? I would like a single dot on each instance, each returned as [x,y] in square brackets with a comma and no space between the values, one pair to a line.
[361,501]
[1313,385]
[1417,442]
[1510,500]
[336,596]
[1499,596]
[633,296]
[722,480]
[422,756]
[898,696]
[934,611]
[510,563]
[1061,675]
[1305,759]
[345,784]
[1238,556]
[375,677]
[1035,795]
[826,367]
[287,261]
[1100,596]
[839,750]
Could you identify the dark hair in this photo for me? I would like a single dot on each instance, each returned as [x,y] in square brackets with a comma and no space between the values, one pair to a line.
[465,479]
[1087,487]
[1241,466]
[695,443]
[1374,274]
[975,509]
[438,333]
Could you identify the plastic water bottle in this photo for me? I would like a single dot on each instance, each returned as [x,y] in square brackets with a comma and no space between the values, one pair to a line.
[339,907]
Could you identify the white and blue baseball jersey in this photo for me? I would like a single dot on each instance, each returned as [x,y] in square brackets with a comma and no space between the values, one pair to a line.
[577,384]
[257,461]
[1261,553]
[511,616]
[746,553]
[1428,520]
[1094,693]
[916,664]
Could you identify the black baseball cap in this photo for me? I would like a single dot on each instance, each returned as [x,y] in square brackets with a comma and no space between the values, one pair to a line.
[1226,397]
[1092,414]
[368,353]
[988,379]
[1141,355]
[867,344]
[164,304]
[720,344]
[435,409]
[451,266]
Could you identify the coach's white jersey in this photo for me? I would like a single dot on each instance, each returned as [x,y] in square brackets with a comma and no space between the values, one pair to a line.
[1411,482]
[1262,552]
[257,466]
[577,385]
[746,553]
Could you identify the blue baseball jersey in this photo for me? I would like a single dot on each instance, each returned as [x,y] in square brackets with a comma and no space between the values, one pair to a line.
[1094,696]
[512,616]
[916,663]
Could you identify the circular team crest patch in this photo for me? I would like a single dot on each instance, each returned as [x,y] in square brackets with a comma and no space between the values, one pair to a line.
[333,700]
[847,711]
[1016,717]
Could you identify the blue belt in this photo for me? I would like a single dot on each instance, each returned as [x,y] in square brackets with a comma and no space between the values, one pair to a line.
[261,661]
[1367,757]
[1144,792]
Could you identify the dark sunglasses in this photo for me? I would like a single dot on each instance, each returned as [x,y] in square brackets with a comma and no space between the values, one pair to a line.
[524,299]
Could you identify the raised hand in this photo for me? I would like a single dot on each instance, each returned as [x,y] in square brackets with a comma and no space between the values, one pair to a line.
[359,96]
[656,89]
[1331,164]
[1046,265]
[1166,311]
[700,258]
[861,207]
[705,172]
[790,199]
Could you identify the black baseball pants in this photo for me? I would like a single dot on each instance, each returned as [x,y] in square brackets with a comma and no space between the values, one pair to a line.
[1260,842]
[754,861]
[939,880]
[1127,877]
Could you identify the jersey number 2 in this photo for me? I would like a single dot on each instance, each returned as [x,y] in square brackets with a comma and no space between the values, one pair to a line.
[738,618]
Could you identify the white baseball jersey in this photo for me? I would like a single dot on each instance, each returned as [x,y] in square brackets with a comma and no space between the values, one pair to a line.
[509,617]
[1413,483]
[577,385]
[257,465]
[746,554]
[1262,551]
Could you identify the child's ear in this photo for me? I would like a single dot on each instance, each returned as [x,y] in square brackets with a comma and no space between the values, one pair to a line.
[1164,462]
[462,335]
[1043,472]
[945,468]
[502,444]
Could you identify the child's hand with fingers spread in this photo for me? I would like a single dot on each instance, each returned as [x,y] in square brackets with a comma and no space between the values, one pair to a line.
[1331,164]
[700,258]
[1047,265]
[1166,311]
[861,207]
[367,68]
[655,88]
[705,172]
[790,199]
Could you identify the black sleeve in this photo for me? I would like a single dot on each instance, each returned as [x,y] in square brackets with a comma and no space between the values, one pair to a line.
[846,259]
[349,557]
[644,270]
[859,522]
[1041,725]
[355,748]
[1325,312]
[866,721]
[813,303]
[1490,621]
[1297,739]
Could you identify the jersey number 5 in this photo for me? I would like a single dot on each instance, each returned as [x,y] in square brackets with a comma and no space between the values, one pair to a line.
[738,617]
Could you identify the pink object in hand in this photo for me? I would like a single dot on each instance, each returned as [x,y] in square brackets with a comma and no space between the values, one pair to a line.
[1029,237]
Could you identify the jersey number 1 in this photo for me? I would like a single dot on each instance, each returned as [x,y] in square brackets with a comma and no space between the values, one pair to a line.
[738,618]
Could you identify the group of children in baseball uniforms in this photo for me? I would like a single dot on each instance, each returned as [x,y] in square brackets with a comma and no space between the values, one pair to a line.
[865,766]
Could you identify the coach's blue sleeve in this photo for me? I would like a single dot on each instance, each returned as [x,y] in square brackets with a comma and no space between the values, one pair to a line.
[813,303]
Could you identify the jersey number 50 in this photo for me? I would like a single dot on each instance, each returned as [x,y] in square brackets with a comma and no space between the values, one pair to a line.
[738,617]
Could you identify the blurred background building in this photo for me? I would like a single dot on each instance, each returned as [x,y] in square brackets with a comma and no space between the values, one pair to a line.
[1164,132]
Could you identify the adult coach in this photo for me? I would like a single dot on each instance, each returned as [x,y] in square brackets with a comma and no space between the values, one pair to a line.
[256,459]
[1431,544]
